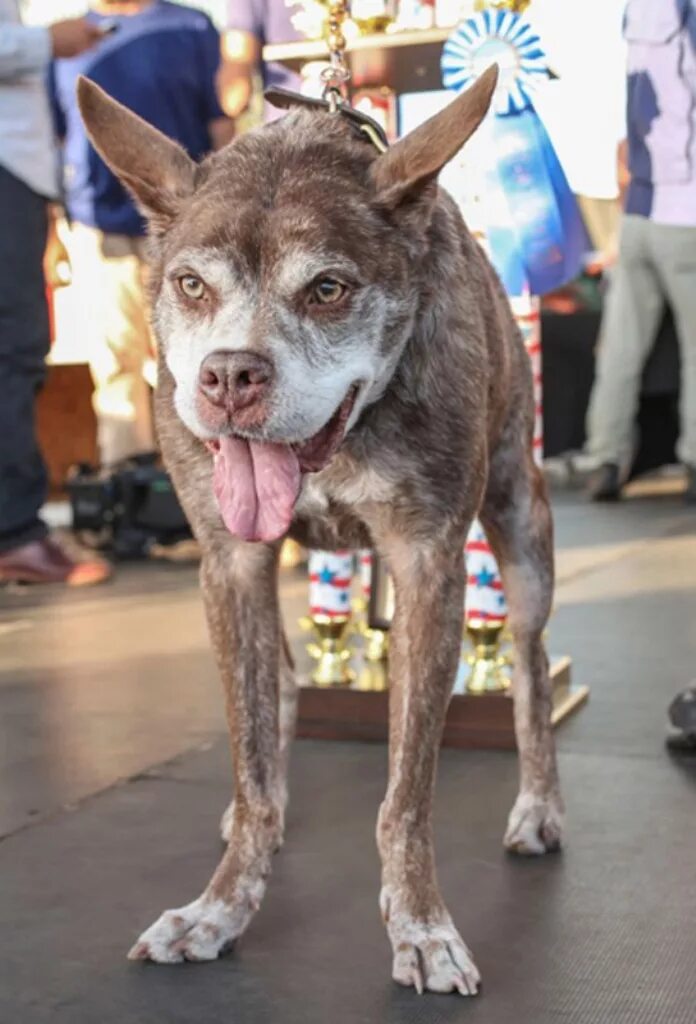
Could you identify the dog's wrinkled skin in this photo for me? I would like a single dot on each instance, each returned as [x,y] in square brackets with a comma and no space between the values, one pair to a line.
[441,430]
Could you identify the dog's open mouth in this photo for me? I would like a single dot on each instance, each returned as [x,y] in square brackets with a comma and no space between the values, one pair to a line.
[256,483]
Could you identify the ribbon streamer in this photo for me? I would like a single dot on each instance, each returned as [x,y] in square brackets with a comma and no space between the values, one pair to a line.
[535,234]
[501,37]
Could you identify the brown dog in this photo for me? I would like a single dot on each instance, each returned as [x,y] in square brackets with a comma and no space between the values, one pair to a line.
[339,361]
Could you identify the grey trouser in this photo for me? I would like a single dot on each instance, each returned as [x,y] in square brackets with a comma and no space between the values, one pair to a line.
[656,264]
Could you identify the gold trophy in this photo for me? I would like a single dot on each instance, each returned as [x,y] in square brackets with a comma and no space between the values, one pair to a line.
[330,618]
[489,668]
[330,650]
[374,630]
[516,6]
[379,613]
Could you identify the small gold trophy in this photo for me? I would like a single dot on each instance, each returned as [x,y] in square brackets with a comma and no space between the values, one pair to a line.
[489,668]
[330,618]
[330,650]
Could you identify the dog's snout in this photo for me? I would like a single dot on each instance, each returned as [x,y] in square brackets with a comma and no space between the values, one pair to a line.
[235,380]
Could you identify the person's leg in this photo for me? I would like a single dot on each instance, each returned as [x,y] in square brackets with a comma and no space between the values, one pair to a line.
[674,250]
[24,343]
[109,271]
[632,312]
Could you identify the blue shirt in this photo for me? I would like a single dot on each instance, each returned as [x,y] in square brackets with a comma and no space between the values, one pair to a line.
[26,137]
[661,110]
[161,63]
[270,21]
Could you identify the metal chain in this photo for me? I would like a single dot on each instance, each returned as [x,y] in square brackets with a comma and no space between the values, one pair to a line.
[337,75]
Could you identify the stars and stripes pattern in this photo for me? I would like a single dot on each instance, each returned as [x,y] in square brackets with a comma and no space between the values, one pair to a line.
[496,36]
[365,558]
[527,312]
[485,599]
[330,581]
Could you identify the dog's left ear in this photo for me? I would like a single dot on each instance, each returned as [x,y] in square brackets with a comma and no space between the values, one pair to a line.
[154,169]
[404,173]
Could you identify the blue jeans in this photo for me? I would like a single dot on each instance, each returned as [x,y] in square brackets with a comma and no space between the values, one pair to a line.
[24,343]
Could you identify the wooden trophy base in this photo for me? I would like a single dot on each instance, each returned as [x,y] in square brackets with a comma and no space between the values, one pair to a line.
[483,721]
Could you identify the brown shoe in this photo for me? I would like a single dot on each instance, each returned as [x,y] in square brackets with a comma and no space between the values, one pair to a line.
[44,561]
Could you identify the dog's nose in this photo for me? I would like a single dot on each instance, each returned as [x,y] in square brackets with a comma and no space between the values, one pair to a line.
[235,379]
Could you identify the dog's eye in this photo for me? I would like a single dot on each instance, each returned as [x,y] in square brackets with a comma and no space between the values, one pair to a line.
[192,286]
[327,290]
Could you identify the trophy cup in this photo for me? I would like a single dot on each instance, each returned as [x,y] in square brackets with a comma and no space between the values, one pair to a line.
[330,617]
[488,666]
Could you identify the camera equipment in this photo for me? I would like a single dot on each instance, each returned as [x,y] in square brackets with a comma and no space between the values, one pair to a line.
[131,506]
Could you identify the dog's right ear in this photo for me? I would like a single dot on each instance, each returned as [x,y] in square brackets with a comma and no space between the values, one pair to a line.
[405,175]
[154,169]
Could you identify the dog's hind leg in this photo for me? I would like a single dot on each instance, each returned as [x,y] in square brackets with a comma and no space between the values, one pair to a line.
[287,723]
[517,519]
[425,642]
[240,590]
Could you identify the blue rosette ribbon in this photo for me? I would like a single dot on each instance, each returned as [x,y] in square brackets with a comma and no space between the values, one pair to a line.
[540,242]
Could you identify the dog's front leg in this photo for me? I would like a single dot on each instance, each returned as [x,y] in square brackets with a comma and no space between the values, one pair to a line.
[240,589]
[286,724]
[425,644]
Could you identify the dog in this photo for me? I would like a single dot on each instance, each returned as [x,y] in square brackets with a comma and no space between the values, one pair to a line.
[339,364]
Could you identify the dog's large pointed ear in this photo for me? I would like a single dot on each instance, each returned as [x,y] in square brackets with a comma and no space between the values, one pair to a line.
[156,170]
[402,174]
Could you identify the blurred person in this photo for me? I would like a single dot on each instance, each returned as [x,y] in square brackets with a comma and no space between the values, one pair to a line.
[656,259]
[28,183]
[160,60]
[681,735]
[251,24]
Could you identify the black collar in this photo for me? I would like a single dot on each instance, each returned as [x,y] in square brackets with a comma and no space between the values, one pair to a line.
[366,126]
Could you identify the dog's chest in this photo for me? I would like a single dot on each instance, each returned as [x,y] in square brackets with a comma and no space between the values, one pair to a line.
[349,488]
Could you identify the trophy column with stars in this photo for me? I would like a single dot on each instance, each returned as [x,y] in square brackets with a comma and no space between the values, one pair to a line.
[330,583]
[514,195]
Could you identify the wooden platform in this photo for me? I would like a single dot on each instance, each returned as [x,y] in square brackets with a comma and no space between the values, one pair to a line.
[483,722]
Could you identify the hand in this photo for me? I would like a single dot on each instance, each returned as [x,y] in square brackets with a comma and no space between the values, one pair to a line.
[70,38]
[605,259]
[57,269]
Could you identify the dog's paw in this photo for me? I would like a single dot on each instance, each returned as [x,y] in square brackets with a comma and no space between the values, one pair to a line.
[535,826]
[429,956]
[200,931]
[226,822]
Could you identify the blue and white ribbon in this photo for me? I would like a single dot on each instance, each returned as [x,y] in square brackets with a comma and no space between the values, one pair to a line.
[534,233]
[500,37]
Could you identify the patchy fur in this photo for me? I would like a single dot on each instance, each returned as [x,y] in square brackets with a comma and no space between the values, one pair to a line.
[441,431]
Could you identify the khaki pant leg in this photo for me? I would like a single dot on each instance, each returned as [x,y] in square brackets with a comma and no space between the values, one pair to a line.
[109,271]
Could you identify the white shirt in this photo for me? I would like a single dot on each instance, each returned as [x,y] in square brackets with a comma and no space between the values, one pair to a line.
[27,147]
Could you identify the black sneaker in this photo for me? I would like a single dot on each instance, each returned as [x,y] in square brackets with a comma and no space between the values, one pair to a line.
[690,492]
[605,484]
[682,716]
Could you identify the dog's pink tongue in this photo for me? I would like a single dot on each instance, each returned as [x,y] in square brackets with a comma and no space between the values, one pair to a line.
[256,486]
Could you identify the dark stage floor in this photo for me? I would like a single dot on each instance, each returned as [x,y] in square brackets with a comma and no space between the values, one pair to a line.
[115,770]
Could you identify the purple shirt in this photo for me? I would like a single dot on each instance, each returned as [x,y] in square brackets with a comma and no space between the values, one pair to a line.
[661,110]
[269,21]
